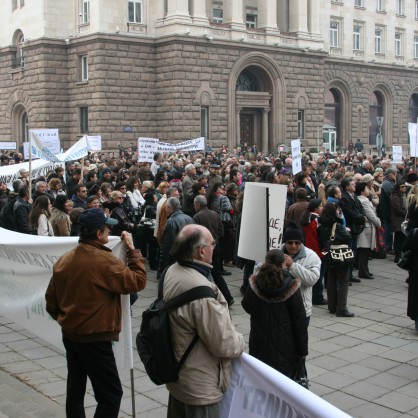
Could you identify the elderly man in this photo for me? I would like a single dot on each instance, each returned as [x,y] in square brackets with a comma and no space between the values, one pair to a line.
[205,375]
[177,219]
[302,263]
[83,296]
[189,179]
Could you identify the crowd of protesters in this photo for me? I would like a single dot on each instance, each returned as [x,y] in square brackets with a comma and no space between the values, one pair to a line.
[351,198]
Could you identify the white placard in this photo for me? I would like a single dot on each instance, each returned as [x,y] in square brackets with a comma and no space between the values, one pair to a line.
[397,154]
[296,157]
[8,145]
[49,138]
[197,144]
[413,139]
[94,143]
[147,147]
[260,233]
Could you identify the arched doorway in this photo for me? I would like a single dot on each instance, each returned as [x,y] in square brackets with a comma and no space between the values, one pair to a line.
[376,108]
[20,125]
[332,112]
[413,108]
[256,103]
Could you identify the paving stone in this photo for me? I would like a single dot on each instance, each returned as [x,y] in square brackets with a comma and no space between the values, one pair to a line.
[389,381]
[389,341]
[334,380]
[372,410]
[378,363]
[356,371]
[399,355]
[22,367]
[405,370]
[366,390]
[398,401]
[343,401]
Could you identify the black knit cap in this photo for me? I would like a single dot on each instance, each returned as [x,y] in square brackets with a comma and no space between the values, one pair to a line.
[293,232]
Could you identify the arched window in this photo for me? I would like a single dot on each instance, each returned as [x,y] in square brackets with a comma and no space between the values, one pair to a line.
[376,108]
[247,82]
[18,42]
[413,108]
[332,111]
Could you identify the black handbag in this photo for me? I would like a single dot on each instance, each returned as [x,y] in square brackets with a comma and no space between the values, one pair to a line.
[301,374]
[407,257]
[338,254]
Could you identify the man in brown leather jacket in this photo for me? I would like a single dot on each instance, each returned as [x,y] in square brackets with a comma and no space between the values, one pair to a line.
[84,297]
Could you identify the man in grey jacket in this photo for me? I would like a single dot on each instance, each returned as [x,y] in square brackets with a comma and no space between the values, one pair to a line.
[205,375]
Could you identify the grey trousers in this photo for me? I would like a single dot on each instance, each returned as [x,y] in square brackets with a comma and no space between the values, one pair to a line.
[177,409]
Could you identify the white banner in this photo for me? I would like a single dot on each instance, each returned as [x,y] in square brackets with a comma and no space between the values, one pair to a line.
[79,150]
[257,390]
[413,139]
[94,143]
[261,233]
[296,157]
[10,173]
[26,263]
[147,147]
[397,154]
[8,145]
[39,149]
[197,144]
[49,138]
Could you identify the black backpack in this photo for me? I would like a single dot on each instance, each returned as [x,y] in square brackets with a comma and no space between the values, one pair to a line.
[153,340]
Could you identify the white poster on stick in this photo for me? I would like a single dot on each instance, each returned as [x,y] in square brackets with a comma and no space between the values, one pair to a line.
[262,220]
[147,147]
[296,157]
[413,139]
[397,154]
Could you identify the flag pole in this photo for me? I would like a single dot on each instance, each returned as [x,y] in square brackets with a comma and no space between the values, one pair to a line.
[30,166]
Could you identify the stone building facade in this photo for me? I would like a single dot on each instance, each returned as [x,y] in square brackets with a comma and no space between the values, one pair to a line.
[234,71]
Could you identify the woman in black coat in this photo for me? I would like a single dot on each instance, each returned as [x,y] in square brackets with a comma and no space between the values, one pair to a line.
[117,212]
[411,243]
[148,243]
[278,335]
[336,274]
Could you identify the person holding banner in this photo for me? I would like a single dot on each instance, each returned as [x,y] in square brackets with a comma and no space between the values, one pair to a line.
[83,296]
[278,335]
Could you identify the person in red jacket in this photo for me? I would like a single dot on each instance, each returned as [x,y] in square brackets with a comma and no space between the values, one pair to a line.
[309,223]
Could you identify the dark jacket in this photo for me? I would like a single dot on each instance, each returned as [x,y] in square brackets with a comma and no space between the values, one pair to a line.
[278,335]
[21,211]
[86,301]
[79,203]
[397,211]
[384,205]
[353,210]
[212,221]
[342,236]
[411,243]
[117,212]
[175,222]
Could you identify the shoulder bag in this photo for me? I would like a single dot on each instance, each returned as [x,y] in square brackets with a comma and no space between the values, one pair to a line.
[338,254]
[146,222]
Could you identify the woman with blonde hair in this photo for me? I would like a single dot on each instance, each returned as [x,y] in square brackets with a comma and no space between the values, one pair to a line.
[39,217]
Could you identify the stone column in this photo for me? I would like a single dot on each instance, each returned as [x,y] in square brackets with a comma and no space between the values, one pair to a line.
[267,16]
[298,16]
[313,16]
[237,126]
[199,12]
[265,130]
[233,14]
[178,10]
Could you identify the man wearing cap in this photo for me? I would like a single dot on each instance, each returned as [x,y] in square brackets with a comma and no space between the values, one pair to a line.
[302,263]
[214,176]
[83,296]
[385,207]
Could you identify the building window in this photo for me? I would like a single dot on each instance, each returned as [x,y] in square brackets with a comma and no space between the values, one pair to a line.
[413,108]
[218,15]
[85,11]
[135,11]
[398,44]
[399,7]
[247,82]
[415,46]
[301,124]
[357,37]
[380,5]
[84,68]
[358,3]
[376,108]
[250,21]
[14,5]
[204,122]
[332,112]
[334,34]
[84,120]
[416,9]
[19,59]
[378,41]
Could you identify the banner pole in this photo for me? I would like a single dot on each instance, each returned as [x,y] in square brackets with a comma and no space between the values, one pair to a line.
[30,166]
[267,220]
[133,393]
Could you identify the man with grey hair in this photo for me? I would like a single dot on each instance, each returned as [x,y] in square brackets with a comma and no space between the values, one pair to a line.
[212,221]
[189,179]
[205,375]
[40,189]
[177,219]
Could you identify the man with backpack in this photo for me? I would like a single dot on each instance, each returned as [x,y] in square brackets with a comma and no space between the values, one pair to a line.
[206,372]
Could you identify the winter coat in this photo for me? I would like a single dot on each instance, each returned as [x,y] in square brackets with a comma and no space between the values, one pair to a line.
[311,234]
[353,210]
[125,224]
[386,192]
[44,226]
[367,239]
[306,267]
[205,375]
[278,335]
[411,243]
[397,211]
[21,211]
[60,222]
